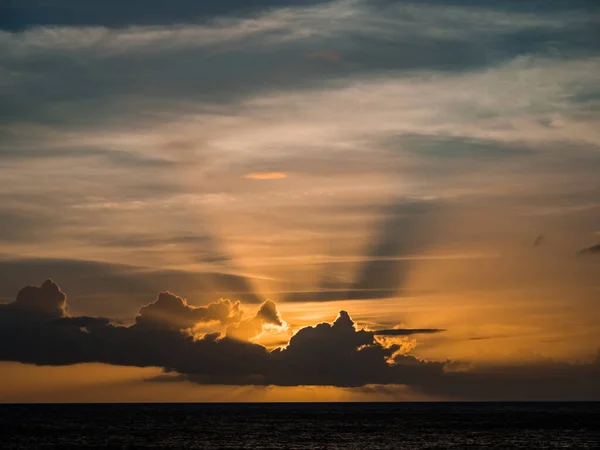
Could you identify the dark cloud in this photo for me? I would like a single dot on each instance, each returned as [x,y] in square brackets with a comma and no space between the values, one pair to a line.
[88,90]
[84,87]
[46,300]
[538,241]
[532,6]
[533,382]
[22,14]
[593,250]
[333,354]
[407,331]
[83,321]
[32,332]
[33,329]
[18,15]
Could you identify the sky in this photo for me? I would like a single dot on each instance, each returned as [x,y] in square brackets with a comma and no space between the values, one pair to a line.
[299,200]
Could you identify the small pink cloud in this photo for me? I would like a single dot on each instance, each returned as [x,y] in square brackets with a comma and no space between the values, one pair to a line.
[265,176]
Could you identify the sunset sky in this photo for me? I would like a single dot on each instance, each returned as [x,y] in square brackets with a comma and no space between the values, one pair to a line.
[207,181]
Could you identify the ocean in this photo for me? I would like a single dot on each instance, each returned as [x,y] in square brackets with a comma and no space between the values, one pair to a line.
[302,426]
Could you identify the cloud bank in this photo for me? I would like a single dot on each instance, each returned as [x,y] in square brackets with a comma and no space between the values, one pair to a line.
[35,329]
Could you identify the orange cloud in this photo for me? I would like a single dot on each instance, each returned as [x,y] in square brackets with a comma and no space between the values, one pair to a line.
[265,176]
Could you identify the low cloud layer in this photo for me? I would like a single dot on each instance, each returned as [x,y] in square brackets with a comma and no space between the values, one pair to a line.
[35,329]
[407,331]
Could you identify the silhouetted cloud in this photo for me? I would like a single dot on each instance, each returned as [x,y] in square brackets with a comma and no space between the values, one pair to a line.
[83,321]
[32,332]
[593,250]
[333,354]
[428,39]
[407,331]
[336,354]
[46,300]
[328,354]
[550,380]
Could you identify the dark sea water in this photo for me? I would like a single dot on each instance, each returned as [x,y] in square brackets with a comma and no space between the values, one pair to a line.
[302,426]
